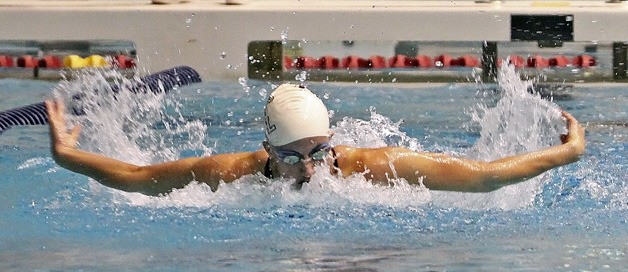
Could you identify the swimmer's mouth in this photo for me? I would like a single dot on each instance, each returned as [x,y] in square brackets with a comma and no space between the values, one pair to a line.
[299,183]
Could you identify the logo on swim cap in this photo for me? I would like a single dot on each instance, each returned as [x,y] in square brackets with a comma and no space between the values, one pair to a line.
[270,128]
[293,113]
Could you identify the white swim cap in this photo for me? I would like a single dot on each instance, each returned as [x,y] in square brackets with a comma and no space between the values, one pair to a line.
[293,113]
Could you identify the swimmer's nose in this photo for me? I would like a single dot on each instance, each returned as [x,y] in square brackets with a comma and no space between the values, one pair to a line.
[308,169]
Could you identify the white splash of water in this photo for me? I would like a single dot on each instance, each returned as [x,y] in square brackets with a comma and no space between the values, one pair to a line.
[301,77]
[520,122]
[324,190]
[121,124]
[30,163]
[378,131]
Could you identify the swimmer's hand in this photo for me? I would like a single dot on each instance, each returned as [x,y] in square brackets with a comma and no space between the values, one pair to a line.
[574,137]
[59,135]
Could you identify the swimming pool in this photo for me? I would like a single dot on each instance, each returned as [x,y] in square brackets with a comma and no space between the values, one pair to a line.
[570,219]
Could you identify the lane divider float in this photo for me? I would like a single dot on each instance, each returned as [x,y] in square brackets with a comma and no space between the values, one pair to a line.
[164,81]
[353,62]
[69,61]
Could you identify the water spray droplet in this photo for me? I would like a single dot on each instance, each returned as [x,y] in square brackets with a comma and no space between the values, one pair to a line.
[244,83]
[301,76]
[284,36]
[263,92]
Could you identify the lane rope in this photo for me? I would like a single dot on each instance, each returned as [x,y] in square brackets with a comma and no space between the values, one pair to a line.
[163,81]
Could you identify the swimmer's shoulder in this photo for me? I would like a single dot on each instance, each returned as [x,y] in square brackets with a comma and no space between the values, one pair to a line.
[231,166]
[349,159]
[352,159]
[359,153]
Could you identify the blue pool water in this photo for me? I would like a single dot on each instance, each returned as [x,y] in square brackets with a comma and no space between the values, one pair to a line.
[570,219]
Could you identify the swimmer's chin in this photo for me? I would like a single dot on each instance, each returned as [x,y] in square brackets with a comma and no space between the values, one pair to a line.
[299,183]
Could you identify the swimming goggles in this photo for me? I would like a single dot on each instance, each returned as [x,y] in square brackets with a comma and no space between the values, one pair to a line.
[291,157]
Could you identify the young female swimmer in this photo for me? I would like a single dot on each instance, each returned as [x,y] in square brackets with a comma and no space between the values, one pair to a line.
[297,139]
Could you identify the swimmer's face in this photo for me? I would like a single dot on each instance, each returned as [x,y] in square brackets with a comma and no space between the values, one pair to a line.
[297,159]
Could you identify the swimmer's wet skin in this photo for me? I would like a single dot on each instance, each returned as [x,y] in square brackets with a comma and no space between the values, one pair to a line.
[297,126]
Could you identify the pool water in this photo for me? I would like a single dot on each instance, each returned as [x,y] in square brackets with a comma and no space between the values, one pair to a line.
[572,218]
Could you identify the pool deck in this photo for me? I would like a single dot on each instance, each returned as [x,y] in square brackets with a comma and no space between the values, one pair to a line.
[212,36]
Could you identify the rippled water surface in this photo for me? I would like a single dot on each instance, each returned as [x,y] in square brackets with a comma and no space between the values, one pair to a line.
[572,218]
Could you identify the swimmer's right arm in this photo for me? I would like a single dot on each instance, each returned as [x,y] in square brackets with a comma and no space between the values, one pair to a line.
[152,179]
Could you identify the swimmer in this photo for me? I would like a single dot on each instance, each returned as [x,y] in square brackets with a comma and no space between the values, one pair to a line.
[297,139]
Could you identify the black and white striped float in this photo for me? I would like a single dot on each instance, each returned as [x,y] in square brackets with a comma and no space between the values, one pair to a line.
[35,114]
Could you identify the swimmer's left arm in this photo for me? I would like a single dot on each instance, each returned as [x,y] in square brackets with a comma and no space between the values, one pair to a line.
[443,172]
